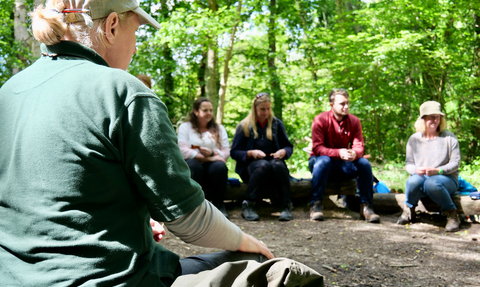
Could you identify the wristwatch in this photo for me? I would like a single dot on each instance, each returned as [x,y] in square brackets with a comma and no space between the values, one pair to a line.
[440,171]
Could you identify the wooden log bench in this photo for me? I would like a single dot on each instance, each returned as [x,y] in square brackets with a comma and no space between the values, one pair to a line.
[383,202]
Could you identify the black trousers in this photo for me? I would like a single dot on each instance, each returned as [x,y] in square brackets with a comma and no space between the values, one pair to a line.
[269,174]
[212,176]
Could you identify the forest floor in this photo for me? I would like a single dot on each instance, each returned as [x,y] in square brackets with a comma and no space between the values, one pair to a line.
[351,252]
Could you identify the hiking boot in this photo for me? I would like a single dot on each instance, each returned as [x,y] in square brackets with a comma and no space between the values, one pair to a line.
[223,209]
[247,211]
[286,214]
[453,220]
[408,215]
[367,213]
[316,211]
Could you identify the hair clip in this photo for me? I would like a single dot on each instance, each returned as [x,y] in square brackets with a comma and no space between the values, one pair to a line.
[339,90]
[259,95]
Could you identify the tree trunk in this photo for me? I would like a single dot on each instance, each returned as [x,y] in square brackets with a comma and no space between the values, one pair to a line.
[226,71]
[340,9]
[211,65]
[168,80]
[350,9]
[308,48]
[375,113]
[20,30]
[201,75]
[476,47]
[168,69]
[325,23]
[276,91]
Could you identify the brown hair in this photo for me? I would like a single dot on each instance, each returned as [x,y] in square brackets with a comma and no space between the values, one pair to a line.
[211,125]
[251,119]
[49,25]
[337,91]
[145,79]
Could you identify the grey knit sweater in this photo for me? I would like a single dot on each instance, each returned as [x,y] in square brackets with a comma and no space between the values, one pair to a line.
[442,152]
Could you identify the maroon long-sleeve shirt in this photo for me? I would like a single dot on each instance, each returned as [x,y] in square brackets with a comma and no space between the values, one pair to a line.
[329,136]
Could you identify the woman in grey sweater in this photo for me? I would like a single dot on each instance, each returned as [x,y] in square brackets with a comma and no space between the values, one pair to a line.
[433,159]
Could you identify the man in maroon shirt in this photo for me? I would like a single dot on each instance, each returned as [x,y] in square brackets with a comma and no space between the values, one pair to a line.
[337,154]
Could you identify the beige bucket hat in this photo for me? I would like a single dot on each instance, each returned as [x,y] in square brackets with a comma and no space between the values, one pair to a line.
[430,108]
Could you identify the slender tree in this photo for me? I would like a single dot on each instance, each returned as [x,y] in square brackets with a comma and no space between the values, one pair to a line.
[275,88]
[211,90]
[226,71]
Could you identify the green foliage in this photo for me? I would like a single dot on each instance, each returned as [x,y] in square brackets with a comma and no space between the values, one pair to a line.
[13,54]
[393,174]
[471,172]
[391,55]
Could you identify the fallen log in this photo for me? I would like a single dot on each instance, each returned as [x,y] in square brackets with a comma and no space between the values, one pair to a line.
[300,189]
[383,202]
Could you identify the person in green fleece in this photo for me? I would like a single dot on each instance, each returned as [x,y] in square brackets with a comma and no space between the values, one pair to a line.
[89,156]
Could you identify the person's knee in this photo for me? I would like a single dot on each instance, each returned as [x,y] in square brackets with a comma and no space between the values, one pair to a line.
[414,182]
[262,166]
[278,165]
[322,163]
[219,167]
[193,162]
[432,186]
[196,167]
[363,165]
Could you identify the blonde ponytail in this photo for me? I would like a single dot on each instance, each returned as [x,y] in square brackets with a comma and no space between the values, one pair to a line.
[48,25]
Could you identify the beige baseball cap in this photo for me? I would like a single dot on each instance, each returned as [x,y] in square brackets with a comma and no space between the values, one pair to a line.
[430,108]
[102,8]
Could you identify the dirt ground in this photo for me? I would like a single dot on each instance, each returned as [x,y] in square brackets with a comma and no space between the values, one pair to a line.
[351,252]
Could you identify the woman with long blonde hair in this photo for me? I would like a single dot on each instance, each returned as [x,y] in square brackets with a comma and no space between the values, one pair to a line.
[260,147]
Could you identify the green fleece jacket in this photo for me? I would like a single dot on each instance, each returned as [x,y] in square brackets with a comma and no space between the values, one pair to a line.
[87,155]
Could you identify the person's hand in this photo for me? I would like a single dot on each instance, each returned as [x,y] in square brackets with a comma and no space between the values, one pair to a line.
[347,155]
[252,245]
[205,151]
[352,153]
[421,171]
[158,230]
[279,154]
[430,171]
[256,154]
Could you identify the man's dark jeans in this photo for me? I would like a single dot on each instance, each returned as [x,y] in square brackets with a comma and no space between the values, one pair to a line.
[323,169]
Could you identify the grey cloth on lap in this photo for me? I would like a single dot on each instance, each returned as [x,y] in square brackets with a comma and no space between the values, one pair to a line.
[277,272]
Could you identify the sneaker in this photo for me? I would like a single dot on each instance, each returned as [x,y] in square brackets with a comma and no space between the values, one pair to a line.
[453,220]
[316,211]
[247,211]
[367,213]
[286,214]
[408,216]
[223,209]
